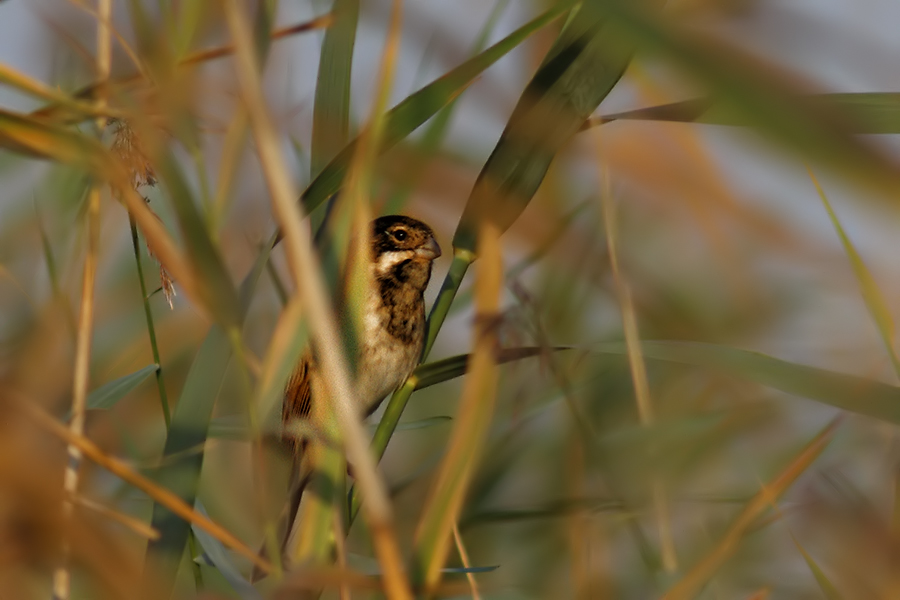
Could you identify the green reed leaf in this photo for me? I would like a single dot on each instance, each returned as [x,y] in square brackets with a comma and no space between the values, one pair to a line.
[107,395]
[412,112]
[848,392]
[864,113]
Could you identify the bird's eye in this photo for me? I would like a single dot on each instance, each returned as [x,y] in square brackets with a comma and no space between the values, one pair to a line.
[400,235]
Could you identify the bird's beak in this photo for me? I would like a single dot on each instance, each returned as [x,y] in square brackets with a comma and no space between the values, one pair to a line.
[430,250]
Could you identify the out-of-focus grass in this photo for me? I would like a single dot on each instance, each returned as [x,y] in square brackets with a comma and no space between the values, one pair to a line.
[530,455]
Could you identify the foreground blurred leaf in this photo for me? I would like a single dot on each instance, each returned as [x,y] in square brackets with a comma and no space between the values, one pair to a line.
[695,579]
[828,589]
[218,557]
[581,68]
[847,392]
[215,285]
[190,424]
[331,111]
[451,485]
[584,64]
[36,138]
[758,94]
[865,113]
[872,296]
[189,430]
[108,394]
[446,369]
[412,112]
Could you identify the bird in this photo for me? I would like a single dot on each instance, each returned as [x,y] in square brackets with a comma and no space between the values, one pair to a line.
[390,345]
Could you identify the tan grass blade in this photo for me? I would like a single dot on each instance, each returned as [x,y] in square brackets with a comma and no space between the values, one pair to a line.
[638,368]
[442,510]
[126,473]
[135,525]
[62,576]
[464,557]
[697,577]
[309,285]
[871,294]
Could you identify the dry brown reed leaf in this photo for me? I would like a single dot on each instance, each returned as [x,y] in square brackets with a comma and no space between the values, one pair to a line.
[135,525]
[322,22]
[31,524]
[130,84]
[125,472]
[81,379]
[445,500]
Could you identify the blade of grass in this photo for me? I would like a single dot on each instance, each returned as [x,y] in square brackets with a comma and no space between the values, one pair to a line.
[61,113]
[464,557]
[864,112]
[213,282]
[442,509]
[436,132]
[828,590]
[766,100]
[215,551]
[425,376]
[188,431]
[61,576]
[81,378]
[331,108]
[107,395]
[412,112]
[847,392]
[637,367]
[703,571]
[872,296]
[32,87]
[183,453]
[151,328]
[122,470]
[581,68]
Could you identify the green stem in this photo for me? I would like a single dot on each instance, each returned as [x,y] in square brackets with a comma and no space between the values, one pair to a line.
[396,405]
[461,261]
[193,548]
[151,330]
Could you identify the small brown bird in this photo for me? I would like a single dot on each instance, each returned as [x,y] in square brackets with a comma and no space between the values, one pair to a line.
[391,341]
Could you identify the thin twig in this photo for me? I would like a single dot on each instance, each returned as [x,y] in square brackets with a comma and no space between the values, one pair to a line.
[464,556]
[135,525]
[638,371]
[62,575]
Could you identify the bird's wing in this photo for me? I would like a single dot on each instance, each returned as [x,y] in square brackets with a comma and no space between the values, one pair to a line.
[297,396]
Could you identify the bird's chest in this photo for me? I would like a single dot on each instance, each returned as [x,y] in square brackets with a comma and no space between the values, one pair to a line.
[393,334]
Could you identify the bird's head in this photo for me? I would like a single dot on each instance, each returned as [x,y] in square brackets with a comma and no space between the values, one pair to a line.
[401,247]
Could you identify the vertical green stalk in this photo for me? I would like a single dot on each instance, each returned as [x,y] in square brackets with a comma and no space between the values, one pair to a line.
[160,382]
[151,330]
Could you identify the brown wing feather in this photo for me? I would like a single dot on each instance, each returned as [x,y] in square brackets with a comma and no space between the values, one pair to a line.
[297,399]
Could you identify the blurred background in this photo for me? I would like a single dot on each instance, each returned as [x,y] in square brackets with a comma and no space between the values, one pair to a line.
[721,239]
